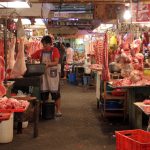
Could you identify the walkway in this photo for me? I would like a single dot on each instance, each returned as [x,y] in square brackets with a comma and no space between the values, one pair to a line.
[80,128]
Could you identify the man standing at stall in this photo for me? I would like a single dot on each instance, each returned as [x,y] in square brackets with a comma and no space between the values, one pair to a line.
[50,80]
[69,59]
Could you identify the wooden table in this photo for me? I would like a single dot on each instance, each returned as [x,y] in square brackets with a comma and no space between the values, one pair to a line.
[19,116]
[140,109]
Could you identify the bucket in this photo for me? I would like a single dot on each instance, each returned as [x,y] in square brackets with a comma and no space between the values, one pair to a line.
[48,110]
[6,130]
[72,78]
[25,124]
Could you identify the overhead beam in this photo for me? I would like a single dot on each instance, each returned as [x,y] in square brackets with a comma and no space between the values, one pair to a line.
[82,1]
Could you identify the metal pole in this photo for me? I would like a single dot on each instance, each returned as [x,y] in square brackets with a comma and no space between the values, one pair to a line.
[5,47]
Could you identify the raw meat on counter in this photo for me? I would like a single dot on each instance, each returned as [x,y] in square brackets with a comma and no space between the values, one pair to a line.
[122,82]
[131,81]
[12,103]
[136,76]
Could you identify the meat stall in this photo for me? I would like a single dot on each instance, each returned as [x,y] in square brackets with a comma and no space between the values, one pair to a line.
[13,68]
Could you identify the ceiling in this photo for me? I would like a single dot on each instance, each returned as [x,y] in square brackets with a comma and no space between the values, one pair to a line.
[75,14]
[87,1]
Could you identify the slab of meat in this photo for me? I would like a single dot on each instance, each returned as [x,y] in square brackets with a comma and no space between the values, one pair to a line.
[2,62]
[11,54]
[146,109]
[2,90]
[12,103]
[2,74]
[2,69]
[20,66]
[146,101]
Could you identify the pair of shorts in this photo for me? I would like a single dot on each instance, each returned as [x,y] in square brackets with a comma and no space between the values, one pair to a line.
[54,96]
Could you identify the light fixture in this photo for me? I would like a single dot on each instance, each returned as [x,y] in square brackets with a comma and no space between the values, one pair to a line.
[127,14]
[15,4]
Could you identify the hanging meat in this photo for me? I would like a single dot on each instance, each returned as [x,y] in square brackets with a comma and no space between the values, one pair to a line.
[20,29]
[105,71]
[2,77]
[11,54]
[20,66]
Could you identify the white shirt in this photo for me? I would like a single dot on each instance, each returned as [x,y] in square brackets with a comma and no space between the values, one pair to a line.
[69,55]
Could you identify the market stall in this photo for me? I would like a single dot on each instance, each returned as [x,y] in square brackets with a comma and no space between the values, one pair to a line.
[16,75]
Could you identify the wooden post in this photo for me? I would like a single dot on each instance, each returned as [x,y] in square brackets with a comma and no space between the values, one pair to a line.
[36,117]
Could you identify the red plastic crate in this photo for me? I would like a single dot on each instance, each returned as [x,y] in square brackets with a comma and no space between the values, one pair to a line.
[132,140]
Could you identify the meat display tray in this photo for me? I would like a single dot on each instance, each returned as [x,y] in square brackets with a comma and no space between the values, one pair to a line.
[14,110]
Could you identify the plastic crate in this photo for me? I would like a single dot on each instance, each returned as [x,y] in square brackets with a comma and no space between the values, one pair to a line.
[132,140]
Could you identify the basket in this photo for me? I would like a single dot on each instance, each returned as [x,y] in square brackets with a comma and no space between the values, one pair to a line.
[34,69]
[132,140]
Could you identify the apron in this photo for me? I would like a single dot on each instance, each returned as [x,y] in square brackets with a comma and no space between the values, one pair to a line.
[50,79]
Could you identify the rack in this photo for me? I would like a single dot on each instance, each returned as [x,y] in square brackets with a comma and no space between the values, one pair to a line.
[112,104]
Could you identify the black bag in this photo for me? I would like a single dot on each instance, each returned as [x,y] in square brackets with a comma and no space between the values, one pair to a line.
[48,110]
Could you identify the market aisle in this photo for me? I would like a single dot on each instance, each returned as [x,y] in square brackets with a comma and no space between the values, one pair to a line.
[80,128]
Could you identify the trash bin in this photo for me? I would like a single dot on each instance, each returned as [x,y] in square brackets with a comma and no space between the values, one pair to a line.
[48,110]
[6,130]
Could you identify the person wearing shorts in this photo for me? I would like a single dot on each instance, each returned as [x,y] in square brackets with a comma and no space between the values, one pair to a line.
[50,56]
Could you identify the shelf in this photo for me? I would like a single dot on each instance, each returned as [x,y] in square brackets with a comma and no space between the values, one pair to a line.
[114,114]
[114,109]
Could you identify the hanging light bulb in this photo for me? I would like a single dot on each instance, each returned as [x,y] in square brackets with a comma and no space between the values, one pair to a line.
[127,14]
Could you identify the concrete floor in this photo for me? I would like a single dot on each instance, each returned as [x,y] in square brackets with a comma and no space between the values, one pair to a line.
[80,128]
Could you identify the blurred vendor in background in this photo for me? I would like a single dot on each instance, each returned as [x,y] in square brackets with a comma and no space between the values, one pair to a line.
[69,59]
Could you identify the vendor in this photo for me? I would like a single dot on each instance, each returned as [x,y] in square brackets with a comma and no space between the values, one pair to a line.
[69,59]
[49,55]
[87,71]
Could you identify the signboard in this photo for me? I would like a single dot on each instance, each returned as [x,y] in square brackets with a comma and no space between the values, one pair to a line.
[70,15]
[106,12]
[141,12]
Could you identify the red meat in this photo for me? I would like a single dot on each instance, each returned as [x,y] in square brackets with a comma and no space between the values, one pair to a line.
[146,102]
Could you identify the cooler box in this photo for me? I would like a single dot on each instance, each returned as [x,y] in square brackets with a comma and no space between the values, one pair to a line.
[48,110]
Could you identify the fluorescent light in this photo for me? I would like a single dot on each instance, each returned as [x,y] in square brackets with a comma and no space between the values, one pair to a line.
[39,22]
[15,4]
[24,21]
[127,15]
